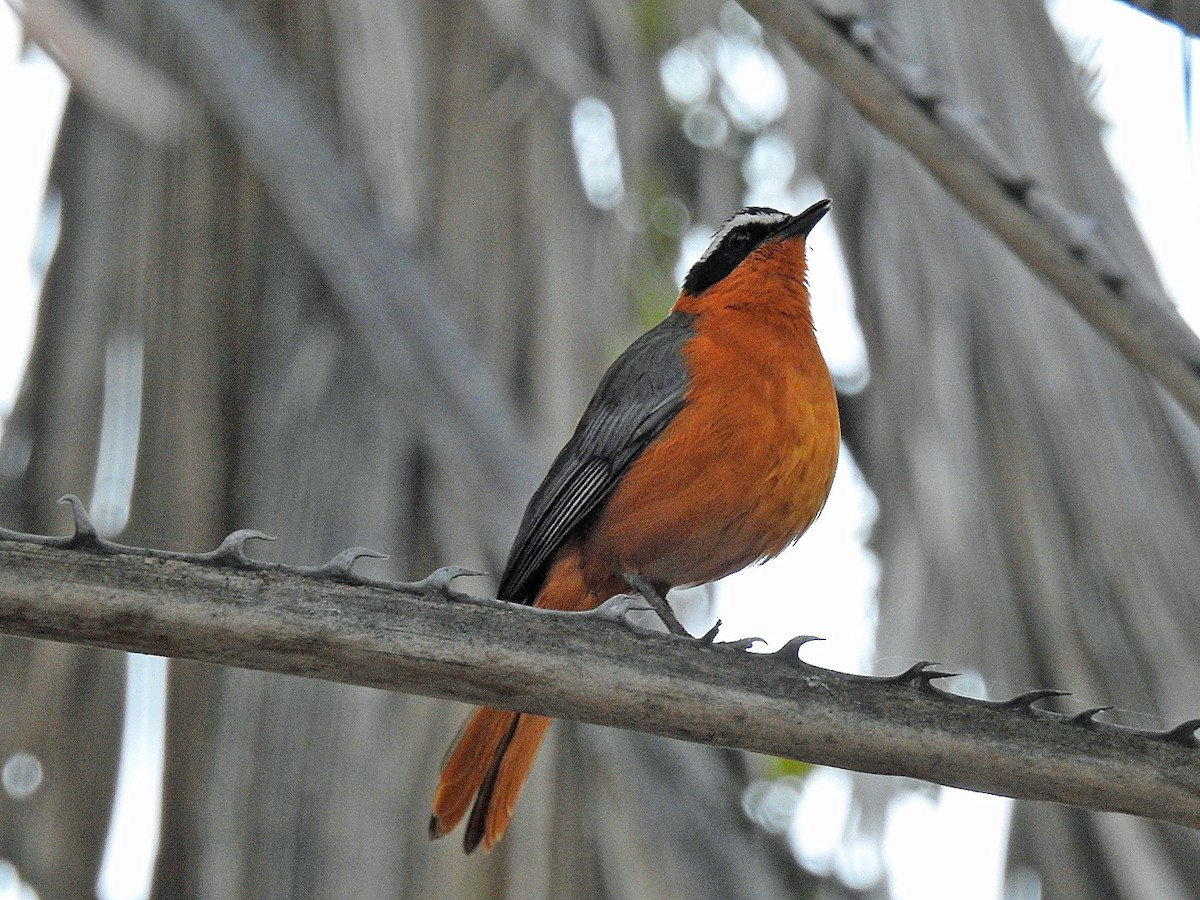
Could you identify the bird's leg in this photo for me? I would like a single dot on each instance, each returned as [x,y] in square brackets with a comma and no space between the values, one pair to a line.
[658,602]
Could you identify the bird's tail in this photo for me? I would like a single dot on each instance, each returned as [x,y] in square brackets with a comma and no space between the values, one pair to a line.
[488,763]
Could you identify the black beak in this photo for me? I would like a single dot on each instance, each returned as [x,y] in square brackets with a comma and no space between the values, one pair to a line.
[800,225]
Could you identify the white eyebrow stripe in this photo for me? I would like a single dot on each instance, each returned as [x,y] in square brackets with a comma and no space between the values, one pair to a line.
[739,219]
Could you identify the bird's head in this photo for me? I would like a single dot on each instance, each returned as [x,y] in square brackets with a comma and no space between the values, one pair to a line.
[745,231]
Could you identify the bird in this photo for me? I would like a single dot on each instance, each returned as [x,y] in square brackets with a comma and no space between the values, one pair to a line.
[710,444]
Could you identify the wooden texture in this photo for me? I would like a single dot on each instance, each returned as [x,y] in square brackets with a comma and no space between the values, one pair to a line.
[596,667]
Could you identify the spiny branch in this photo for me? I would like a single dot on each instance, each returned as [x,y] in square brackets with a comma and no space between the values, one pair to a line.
[424,637]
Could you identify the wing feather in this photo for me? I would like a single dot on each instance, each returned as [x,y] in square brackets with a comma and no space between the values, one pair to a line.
[637,398]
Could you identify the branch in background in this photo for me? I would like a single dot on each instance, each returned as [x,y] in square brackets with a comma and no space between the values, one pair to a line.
[1183,14]
[384,288]
[424,638]
[903,101]
[108,75]
[545,51]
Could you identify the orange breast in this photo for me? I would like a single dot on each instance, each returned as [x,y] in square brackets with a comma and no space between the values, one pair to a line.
[744,468]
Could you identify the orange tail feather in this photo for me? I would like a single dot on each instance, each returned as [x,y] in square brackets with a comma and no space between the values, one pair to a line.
[488,763]
[495,750]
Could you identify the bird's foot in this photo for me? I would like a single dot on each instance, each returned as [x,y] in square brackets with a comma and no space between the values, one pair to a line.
[710,637]
[658,602]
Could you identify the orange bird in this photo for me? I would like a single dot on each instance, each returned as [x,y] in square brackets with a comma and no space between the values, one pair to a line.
[709,445]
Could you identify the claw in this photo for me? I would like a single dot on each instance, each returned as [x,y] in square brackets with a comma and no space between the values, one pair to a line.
[742,643]
[617,607]
[711,635]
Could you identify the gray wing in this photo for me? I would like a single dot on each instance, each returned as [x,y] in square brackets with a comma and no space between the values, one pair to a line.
[639,395]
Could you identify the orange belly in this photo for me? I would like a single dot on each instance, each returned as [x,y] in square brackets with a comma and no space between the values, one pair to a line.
[742,470]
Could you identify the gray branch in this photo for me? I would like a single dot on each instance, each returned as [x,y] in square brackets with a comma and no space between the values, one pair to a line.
[1065,248]
[111,77]
[426,638]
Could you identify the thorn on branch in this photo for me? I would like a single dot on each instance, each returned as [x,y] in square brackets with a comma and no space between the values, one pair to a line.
[1018,189]
[438,581]
[1087,718]
[1024,702]
[1184,733]
[925,680]
[866,34]
[913,80]
[971,129]
[1077,231]
[232,550]
[342,565]
[918,674]
[85,537]
[791,650]
[840,21]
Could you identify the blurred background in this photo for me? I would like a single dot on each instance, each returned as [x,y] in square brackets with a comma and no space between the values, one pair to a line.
[182,346]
